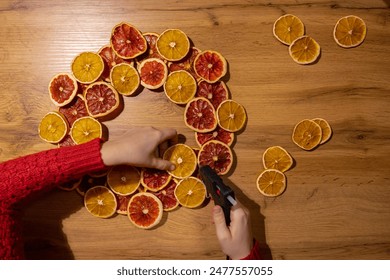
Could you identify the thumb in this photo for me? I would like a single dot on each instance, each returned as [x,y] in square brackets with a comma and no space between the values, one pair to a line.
[220,223]
[162,164]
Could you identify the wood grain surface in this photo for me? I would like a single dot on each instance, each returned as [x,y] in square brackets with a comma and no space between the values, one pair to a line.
[336,205]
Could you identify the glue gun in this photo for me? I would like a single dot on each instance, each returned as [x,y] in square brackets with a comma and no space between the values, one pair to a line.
[221,194]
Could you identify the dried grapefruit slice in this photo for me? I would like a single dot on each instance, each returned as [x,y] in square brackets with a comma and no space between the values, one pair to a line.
[110,59]
[154,179]
[199,115]
[186,63]
[276,157]
[217,155]
[184,159]
[271,182]
[62,89]
[74,110]
[180,87]
[122,203]
[123,179]
[124,78]
[231,115]
[152,52]
[153,73]
[85,129]
[100,202]
[145,210]
[325,129]
[87,67]
[304,50]
[167,196]
[127,41]
[349,31]
[219,134]
[53,127]
[173,44]
[216,93]
[210,66]
[287,28]
[307,134]
[190,192]
[101,99]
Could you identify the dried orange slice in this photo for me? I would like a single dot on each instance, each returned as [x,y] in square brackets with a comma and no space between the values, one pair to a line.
[186,63]
[217,155]
[74,110]
[101,99]
[153,73]
[87,67]
[215,93]
[53,127]
[219,134]
[85,129]
[124,78]
[184,158]
[145,210]
[325,128]
[173,44]
[349,31]
[271,182]
[180,87]
[210,66]
[304,50]
[62,89]
[190,192]
[167,196]
[307,134]
[276,157]
[100,202]
[199,115]
[231,115]
[127,41]
[287,28]
[110,59]
[154,179]
[123,179]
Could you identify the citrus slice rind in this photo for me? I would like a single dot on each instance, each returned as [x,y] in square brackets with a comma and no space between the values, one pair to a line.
[184,159]
[349,31]
[217,155]
[231,115]
[325,129]
[123,179]
[87,67]
[180,87]
[199,115]
[276,157]
[62,89]
[153,73]
[304,50]
[173,44]
[271,182]
[86,129]
[110,59]
[219,134]
[210,66]
[53,127]
[124,78]
[216,93]
[307,134]
[190,192]
[287,28]
[127,41]
[100,201]
[144,210]
[187,63]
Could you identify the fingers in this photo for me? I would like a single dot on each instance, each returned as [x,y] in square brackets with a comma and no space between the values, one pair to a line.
[162,164]
[222,230]
[167,133]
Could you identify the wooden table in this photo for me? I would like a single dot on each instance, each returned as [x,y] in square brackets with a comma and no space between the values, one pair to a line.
[336,205]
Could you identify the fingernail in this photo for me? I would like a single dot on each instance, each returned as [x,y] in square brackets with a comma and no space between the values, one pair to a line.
[172,167]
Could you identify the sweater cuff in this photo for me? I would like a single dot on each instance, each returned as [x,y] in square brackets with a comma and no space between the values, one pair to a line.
[254,253]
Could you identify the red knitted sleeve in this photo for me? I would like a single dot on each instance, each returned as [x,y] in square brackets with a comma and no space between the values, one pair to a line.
[23,178]
[255,252]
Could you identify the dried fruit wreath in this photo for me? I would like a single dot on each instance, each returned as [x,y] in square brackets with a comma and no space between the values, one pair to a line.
[133,60]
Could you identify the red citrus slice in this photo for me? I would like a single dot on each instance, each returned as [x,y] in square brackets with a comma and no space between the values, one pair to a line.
[122,203]
[152,52]
[66,141]
[110,59]
[154,179]
[199,115]
[186,64]
[127,41]
[101,99]
[210,66]
[216,93]
[153,73]
[62,89]
[217,155]
[219,134]
[74,110]
[167,196]
[145,210]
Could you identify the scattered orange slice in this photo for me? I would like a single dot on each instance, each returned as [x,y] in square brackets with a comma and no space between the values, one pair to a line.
[304,50]
[271,182]
[287,28]
[325,128]
[278,158]
[123,179]
[173,44]
[85,129]
[180,87]
[349,31]
[190,192]
[307,134]
[87,67]
[124,78]
[184,158]
[231,115]
[53,127]
[100,202]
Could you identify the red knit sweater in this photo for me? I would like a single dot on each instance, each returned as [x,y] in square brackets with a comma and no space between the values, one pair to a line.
[24,178]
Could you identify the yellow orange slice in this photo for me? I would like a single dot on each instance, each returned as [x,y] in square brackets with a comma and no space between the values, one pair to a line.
[271,182]
[184,158]
[276,157]
[85,129]
[304,50]
[287,28]
[190,192]
[123,179]
[53,127]
[307,134]
[173,44]
[180,87]
[325,128]
[124,78]
[231,115]
[100,201]
[349,31]
[87,67]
